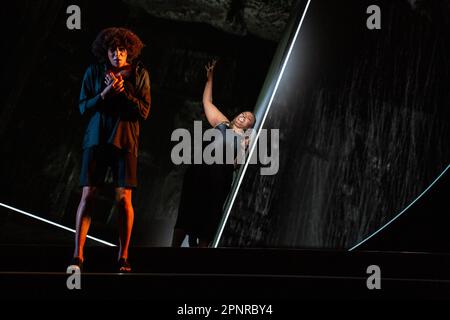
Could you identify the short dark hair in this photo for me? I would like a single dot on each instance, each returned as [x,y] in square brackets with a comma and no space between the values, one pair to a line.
[117,37]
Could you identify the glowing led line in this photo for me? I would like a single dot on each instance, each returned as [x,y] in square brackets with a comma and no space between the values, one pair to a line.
[403,211]
[53,223]
[222,227]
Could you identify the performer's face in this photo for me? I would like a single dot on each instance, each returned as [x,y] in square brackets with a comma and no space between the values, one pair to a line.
[244,120]
[117,56]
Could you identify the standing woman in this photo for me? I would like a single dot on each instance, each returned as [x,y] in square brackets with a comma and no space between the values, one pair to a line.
[206,186]
[115,97]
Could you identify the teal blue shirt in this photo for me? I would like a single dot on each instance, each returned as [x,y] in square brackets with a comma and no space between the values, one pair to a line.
[115,120]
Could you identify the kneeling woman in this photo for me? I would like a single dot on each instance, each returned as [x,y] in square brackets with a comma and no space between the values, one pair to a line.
[206,187]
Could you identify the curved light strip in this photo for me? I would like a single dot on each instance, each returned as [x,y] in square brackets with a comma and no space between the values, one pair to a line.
[222,227]
[403,211]
[53,223]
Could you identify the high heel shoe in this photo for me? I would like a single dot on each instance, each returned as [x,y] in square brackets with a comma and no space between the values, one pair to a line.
[77,262]
[124,265]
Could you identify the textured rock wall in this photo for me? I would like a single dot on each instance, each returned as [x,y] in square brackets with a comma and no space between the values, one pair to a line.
[265,19]
[41,129]
[364,127]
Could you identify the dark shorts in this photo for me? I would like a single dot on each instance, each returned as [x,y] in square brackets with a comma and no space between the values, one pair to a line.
[107,163]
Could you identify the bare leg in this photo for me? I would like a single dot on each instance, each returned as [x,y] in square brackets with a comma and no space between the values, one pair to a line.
[126,218]
[178,237]
[83,220]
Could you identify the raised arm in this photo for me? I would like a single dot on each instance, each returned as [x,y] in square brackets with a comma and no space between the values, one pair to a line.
[213,114]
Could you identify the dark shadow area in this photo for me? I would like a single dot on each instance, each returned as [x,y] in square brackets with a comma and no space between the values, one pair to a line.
[41,128]
[364,128]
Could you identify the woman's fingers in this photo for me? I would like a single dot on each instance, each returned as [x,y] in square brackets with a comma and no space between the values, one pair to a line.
[115,83]
[118,86]
[210,65]
[109,78]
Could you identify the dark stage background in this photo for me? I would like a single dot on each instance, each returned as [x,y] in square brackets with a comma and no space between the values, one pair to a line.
[364,129]
[363,117]
[41,129]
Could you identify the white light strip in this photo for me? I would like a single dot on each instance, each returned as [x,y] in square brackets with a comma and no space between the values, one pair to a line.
[222,227]
[53,223]
[403,211]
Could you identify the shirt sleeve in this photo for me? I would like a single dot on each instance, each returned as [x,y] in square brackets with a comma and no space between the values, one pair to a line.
[140,102]
[89,100]
[223,126]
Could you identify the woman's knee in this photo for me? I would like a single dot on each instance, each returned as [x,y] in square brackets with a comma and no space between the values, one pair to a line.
[123,198]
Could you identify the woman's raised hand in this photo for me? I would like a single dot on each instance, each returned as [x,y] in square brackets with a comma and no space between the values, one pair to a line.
[210,68]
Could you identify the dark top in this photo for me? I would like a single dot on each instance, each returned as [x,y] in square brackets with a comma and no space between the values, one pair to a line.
[229,140]
[116,119]
[205,189]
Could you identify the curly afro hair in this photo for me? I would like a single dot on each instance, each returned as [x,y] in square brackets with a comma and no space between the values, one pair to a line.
[117,37]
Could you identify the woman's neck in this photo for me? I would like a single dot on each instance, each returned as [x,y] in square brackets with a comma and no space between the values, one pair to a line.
[236,129]
[117,69]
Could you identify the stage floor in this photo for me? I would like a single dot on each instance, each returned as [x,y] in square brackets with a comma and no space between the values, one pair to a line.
[223,274]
